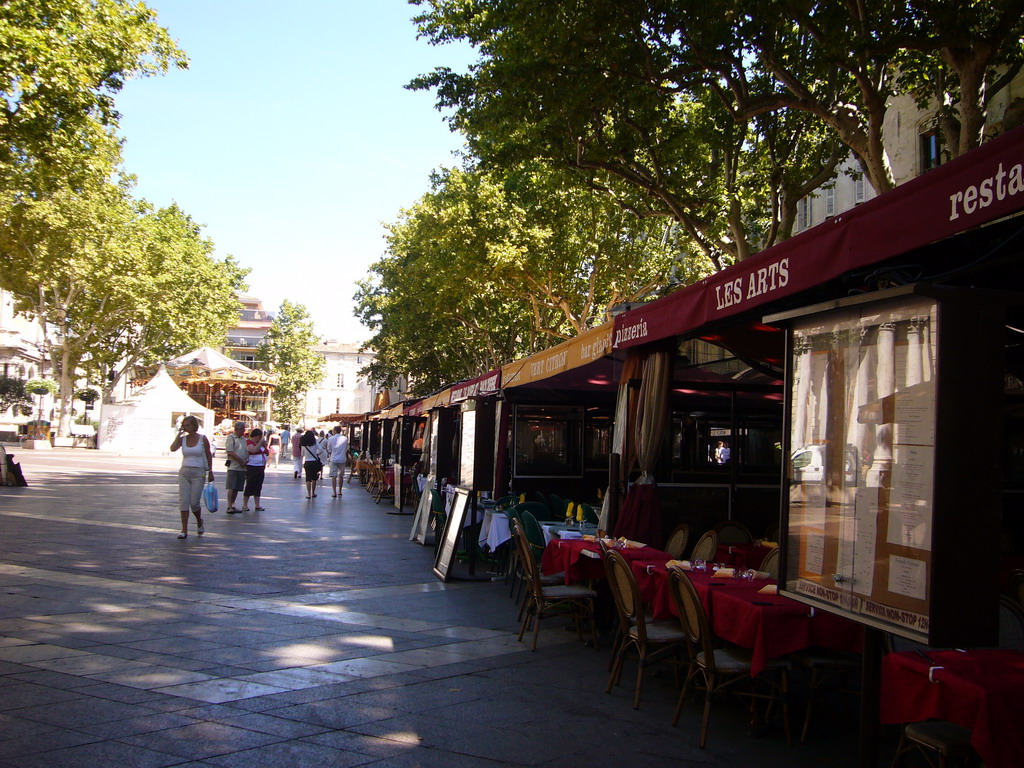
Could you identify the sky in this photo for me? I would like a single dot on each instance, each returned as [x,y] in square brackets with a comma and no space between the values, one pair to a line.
[291,138]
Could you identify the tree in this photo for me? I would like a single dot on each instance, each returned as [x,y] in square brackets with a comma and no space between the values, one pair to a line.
[713,113]
[13,393]
[489,267]
[107,279]
[61,63]
[287,349]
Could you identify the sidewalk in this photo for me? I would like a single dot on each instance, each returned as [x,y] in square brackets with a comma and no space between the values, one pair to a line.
[313,633]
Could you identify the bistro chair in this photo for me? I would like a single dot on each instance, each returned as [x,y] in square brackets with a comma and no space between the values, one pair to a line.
[534,533]
[539,510]
[1011,624]
[721,668]
[677,540]
[706,547]
[824,665]
[590,514]
[731,532]
[770,564]
[541,599]
[651,641]
[557,505]
[947,741]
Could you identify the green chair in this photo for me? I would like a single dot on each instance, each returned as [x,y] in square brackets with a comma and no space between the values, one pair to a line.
[590,514]
[540,511]
[534,533]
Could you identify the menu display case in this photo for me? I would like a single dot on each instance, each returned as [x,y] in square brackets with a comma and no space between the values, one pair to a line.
[893,476]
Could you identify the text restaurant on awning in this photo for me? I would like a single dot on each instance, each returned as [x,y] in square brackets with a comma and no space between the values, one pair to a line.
[953,225]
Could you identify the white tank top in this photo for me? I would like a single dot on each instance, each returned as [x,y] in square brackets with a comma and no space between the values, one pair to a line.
[194,456]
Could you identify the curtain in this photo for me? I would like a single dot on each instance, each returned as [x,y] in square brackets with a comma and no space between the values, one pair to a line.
[620,427]
[641,518]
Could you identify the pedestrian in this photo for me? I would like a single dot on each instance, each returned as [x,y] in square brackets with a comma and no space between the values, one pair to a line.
[337,446]
[297,451]
[255,469]
[311,462]
[196,468]
[286,442]
[238,458]
[274,446]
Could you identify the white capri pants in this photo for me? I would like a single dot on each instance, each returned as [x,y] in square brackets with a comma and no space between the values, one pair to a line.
[190,487]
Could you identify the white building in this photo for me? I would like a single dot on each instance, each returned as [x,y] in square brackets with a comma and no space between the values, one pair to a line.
[22,356]
[913,147]
[342,390]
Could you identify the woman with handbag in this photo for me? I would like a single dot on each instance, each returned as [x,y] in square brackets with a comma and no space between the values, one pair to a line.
[255,469]
[311,463]
[196,469]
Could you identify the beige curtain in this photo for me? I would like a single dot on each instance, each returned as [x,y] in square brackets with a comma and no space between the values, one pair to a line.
[630,370]
[652,411]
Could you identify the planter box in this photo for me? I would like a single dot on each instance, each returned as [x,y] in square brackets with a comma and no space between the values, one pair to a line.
[37,445]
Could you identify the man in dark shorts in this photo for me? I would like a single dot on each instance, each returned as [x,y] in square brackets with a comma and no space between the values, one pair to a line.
[238,457]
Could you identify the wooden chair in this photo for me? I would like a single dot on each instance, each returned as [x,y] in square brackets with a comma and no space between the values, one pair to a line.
[541,599]
[721,668]
[706,547]
[651,641]
[677,541]
[731,532]
[947,741]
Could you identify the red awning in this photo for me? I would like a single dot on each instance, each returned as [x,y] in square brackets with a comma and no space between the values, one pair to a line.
[487,384]
[984,185]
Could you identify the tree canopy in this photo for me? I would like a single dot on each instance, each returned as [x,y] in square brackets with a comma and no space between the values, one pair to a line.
[287,350]
[721,114]
[488,267]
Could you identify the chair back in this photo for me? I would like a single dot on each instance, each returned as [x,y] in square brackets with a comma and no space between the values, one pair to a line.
[731,532]
[531,571]
[692,616]
[706,547]
[770,564]
[533,532]
[436,504]
[626,594]
[590,514]
[540,510]
[557,506]
[1017,585]
[677,540]
[1011,624]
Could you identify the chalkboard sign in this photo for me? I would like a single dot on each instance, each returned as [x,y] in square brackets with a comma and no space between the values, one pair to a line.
[450,537]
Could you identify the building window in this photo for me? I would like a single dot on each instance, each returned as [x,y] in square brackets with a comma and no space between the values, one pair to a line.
[359,359]
[337,405]
[319,406]
[803,214]
[340,383]
[830,201]
[858,189]
[931,150]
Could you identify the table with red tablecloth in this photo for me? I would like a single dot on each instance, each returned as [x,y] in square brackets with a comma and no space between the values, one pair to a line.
[769,625]
[982,690]
[581,560]
[742,555]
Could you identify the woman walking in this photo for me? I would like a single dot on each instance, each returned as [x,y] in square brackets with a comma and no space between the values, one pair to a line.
[310,461]
[255,469]
[274,444]
[196,468]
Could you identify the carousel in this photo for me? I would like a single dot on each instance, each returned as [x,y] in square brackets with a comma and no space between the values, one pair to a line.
[233,391]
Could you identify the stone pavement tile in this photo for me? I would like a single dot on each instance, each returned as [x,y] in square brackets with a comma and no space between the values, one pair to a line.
[6,642]
[14,727]
[292,754]
[334,713]
[201,740]
[26,654]
[13,750]
[150,676]
[421,757]
[10,668]
[135,725]
[253,721]
[83,711]
[220,690]
[174,645]
[22,695]
[371,746]
[106,753]
[103,660]
[129,695]
[367,667]
[47,677]
[296,678]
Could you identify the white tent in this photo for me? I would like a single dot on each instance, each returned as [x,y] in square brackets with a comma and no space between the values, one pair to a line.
[147,421]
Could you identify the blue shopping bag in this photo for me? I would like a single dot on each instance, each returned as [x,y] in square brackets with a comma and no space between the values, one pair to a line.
[210,497]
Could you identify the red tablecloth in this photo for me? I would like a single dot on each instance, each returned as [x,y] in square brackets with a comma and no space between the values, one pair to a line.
[981,690]
[581,560]
[742,555]
[769,625]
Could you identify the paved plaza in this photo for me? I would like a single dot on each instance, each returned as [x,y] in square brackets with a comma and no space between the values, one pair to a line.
[313,633]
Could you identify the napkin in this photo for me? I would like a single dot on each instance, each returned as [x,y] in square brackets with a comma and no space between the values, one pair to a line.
[769,589]
[684,564]
[570,535]
[762,575]
[632,544]
[589,537]
[724,573]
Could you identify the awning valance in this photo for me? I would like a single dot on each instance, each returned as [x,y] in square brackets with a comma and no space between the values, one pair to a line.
[581,350]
